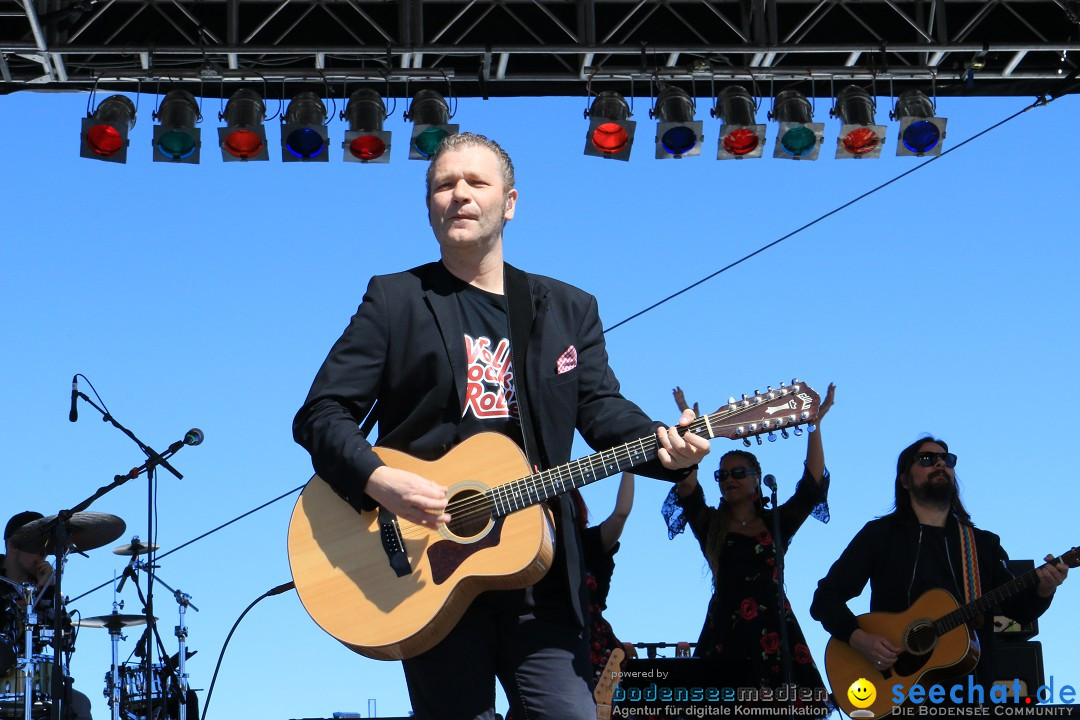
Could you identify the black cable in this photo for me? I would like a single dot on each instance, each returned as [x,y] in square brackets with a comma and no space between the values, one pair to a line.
[868,193]
[200,537]
[273,591]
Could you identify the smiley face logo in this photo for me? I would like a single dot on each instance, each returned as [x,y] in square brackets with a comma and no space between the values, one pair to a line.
[862,693]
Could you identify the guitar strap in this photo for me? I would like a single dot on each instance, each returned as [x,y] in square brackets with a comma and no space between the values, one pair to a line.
[969,561]
[519,317]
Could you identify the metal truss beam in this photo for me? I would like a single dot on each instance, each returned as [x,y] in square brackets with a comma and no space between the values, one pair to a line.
[536,47]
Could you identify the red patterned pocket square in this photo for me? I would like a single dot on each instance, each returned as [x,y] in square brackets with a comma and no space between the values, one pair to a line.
[567,361]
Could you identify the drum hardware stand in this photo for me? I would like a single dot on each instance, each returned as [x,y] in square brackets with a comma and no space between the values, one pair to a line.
[183,601]
[26,660]
[114,684]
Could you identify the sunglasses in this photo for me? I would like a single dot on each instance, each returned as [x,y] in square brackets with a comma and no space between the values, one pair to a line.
[928,459]
[736,474]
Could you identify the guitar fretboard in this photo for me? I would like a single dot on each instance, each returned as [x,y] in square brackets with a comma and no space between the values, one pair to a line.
[987,602]
[546,484]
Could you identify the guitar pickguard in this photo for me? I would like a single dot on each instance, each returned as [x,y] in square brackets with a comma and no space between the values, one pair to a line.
[446,556]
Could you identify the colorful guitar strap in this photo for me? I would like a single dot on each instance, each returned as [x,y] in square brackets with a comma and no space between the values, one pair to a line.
[969,560]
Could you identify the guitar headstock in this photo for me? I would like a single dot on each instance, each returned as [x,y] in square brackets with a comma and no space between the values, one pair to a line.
[1071,558]
[773,411]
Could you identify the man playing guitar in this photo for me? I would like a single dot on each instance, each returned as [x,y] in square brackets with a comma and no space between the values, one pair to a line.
[441,348]
[928,542]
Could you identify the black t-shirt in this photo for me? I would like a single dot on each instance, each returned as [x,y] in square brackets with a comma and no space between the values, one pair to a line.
[490,398]
[491,405]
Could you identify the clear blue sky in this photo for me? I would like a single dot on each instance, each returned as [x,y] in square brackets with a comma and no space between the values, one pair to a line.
[208,296]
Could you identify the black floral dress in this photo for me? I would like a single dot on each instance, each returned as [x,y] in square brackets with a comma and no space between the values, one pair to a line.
[599,566]
[742,627]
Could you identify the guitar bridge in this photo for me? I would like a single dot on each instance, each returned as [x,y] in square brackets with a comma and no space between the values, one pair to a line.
[393,546]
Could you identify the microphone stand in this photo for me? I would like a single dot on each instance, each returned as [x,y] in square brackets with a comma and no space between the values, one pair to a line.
[781,593]
[154,459]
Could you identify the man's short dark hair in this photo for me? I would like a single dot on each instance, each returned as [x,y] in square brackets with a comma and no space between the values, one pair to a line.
[17,521]
[460,141]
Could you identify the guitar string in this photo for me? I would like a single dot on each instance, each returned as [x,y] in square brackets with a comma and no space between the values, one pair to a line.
[480,505]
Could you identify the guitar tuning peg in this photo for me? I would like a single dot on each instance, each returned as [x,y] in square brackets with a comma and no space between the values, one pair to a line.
[772,437]
[784,433]
[797,431]
[781,383]
[746,442]
[758,438]
[811,427]
[731,399]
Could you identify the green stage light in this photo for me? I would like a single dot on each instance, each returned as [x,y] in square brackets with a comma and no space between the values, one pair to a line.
[430,116]
[176,139]
[798,138]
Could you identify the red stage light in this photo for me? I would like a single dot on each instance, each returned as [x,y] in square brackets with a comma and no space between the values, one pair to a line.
[367,147]
[861,141]
[243,144]
[741,142]
[104,140]
[610,138]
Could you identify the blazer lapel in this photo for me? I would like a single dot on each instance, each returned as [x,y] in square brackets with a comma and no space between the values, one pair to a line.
[440,297]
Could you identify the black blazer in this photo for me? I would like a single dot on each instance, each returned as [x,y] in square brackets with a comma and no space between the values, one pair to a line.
[404,347]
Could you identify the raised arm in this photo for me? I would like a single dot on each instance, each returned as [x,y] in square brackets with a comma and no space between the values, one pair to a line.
[815,452]
[611,529]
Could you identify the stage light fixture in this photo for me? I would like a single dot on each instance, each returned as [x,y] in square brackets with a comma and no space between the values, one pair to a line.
[105,132]
[678,135]
[430,116]
[740,136]
[859,136]
[365,141]
[799,138]
[176,139]
[921,133]
[304,137]
[611,132]
[244,137]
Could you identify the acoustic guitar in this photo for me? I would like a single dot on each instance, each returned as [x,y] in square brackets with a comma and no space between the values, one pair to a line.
[389,589]
[934,636]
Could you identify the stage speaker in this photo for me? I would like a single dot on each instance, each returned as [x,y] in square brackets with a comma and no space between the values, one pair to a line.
[1005,628]
[1021,661]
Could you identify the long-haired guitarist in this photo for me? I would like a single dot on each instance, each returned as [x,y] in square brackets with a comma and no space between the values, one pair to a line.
[927,542]
[457,347]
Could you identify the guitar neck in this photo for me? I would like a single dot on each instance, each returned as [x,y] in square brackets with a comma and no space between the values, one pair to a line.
[987,602]
[729,421]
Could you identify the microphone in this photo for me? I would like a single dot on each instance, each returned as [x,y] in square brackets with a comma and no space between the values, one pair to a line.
[770,482]
[74,414]
[194,436]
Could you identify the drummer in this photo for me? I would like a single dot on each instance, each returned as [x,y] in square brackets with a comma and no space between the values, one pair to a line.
[26,566]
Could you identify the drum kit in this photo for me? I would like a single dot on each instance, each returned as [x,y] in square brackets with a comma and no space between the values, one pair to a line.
[37,634]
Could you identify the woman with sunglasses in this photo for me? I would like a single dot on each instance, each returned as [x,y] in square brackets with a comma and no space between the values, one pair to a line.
[742,627]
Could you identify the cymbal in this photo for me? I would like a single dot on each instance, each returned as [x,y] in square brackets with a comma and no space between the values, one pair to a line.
[135,548]
[86,531]
[112,621]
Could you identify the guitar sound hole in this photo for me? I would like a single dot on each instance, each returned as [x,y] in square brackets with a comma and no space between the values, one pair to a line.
[921,638]
[470,513]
